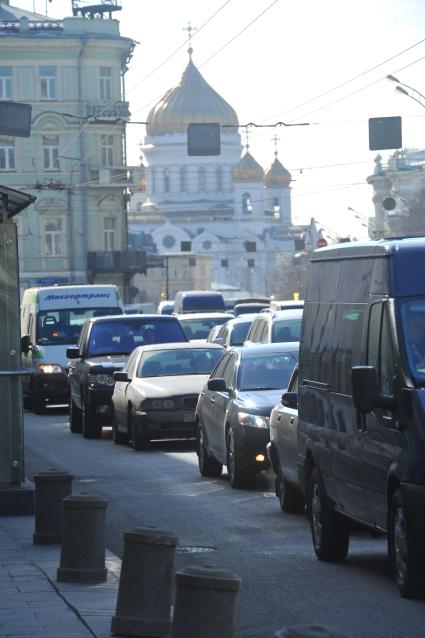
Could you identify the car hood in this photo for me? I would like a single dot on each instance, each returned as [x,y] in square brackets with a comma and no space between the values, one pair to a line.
[170,386]
[113,362]
[262,400]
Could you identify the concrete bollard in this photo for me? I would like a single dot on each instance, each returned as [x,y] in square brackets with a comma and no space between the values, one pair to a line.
[306,631]
[146,583]
[50,488]
[82,557]
[205,603]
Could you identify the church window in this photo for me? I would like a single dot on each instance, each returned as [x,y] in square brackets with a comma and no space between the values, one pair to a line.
[276,206]
[206,245]
[166,180]
[219,176]
[246,204]
[153,180]
[168,241]
[202,180]
[183,180]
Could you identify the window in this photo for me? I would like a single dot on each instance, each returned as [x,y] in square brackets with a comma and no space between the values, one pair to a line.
[109,233]
[202,179]
[107,150]
[224,263]
[246,204]
[7,155]
[105,83]
[166,180]
[47,76]
[218,371]
[251,263]
[347,337]
[53,237]
[229,373]
[50,152]
[5,82]
[168,241]
[219,177]
[183,180]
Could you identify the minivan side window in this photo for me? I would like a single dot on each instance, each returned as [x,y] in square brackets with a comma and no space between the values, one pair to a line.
[380,348]
[348,341]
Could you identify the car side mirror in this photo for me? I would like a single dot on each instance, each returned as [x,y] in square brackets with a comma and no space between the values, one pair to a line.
[72,352]
[217,385]
[121,376]
[366,395]
[26,343]
[290,400]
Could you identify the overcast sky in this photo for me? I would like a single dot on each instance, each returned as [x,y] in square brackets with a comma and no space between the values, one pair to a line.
[275,70]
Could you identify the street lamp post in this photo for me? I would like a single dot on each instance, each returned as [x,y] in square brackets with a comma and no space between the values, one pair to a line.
[402,90]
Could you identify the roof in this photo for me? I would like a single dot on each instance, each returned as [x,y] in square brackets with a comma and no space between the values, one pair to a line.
[139,317]
[184,345]
[264,348]
[203,315]
[381,248]
[248,169]
[7,12]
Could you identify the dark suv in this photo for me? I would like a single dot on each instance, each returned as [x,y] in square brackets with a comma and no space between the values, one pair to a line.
[275,326]
[103,347]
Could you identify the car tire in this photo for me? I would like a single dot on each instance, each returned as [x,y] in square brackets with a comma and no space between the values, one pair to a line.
[329,530]
[75,420]
[139,442]
[118,437]
[38,404]
[208,465]
[406,558]
[90,426]
[239,476]
[290,498]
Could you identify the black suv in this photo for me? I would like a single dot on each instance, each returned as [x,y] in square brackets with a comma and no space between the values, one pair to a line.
[103,347]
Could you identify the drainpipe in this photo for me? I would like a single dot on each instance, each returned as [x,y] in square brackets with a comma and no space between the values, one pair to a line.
[83,162]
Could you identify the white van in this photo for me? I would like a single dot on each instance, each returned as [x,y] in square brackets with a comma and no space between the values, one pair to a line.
[51,320]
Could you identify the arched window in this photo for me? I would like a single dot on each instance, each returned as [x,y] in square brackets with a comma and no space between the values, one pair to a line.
[183,180]
[153,180]
[202,179]
[276,206]
[219,178]
[246,204]
[166,180]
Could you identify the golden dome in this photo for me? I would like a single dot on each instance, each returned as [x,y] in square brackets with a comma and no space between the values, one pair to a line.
[248,169]
[277,175]
[191,101]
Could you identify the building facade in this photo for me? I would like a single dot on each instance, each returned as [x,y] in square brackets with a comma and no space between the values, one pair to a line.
[71,71]
[225,206]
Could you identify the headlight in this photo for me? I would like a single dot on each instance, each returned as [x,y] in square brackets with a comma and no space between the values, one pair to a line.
[158,404]
[253,420]
[101,379]
[50,368]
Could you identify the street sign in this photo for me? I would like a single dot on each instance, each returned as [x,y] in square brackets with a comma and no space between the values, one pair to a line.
[321,242]
[15,119]
[384,133]
[203,139]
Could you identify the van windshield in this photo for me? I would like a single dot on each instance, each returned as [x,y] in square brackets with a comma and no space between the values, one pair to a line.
[412,312]
[60,327]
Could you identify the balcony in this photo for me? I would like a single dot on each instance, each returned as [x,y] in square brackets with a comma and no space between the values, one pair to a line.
[108,112]
[120,176]
[116,261]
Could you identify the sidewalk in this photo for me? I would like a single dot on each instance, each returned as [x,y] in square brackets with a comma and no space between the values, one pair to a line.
[33,604]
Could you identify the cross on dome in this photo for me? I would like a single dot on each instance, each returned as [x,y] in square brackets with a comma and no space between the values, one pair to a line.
[275,139]
[189,30]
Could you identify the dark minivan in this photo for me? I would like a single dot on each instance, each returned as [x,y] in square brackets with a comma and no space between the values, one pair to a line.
[198,301]
[361,427]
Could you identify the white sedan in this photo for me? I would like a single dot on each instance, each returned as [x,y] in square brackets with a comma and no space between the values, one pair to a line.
[156,393]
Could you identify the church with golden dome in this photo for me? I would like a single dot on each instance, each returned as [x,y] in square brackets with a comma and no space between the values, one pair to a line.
[226,206]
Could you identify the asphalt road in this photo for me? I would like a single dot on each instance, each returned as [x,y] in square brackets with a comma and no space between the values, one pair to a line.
[240,530]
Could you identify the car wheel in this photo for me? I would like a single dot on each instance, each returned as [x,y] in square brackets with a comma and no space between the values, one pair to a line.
[118,437]
[139,441]
[406,558]
[91,428]
[75,420]
[329,530]
[290,498]
[239,477]
[208,465]
[38,403]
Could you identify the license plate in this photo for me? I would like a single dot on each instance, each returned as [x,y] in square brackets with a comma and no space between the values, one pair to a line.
[189,417]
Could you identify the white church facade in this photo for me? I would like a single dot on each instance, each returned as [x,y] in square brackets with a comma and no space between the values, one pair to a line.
[224,206]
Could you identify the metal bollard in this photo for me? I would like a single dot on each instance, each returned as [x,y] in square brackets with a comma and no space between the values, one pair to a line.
[83,540]
[50,488]
[146,583]
[306,631]
[205,603]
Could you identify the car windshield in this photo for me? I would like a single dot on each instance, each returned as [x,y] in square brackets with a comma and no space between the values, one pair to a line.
[412,312]
[121,337]
[200,328]
[286,330]
[63,326]
[266,370]
[165,363]
[239,332]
